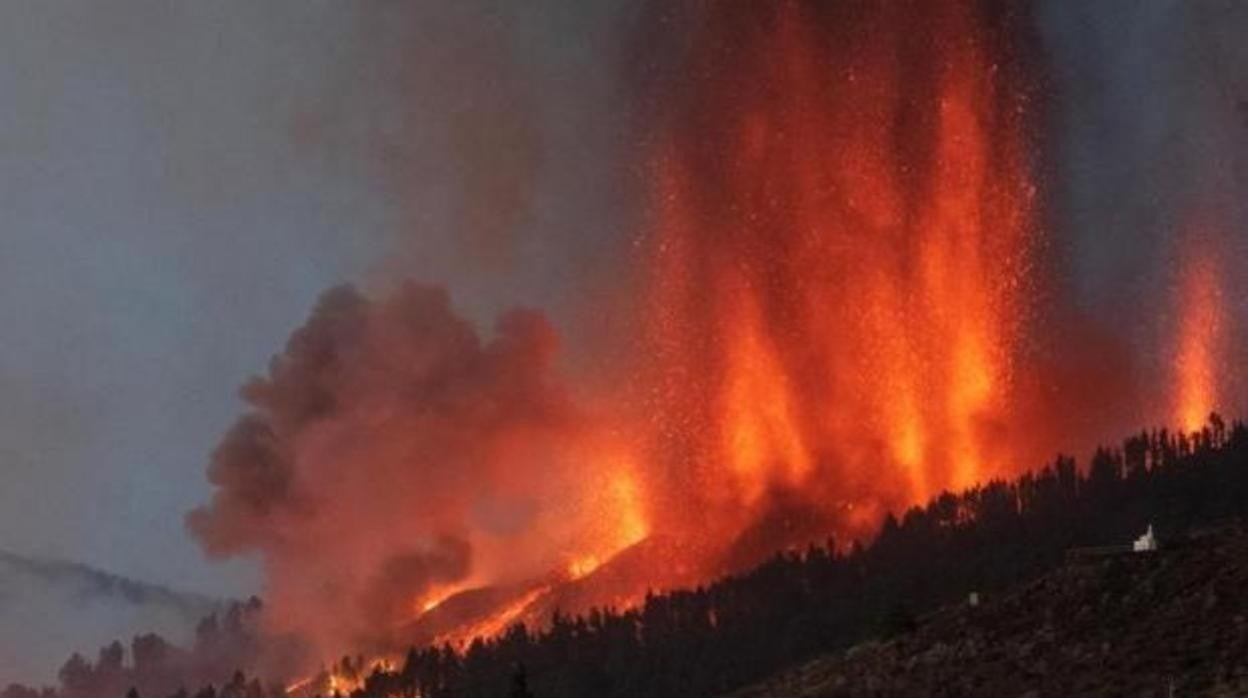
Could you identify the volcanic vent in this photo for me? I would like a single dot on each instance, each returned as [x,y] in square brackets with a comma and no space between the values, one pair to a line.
[841,252]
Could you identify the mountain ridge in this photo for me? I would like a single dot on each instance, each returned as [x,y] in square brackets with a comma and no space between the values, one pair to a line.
[52,608]
[133,590]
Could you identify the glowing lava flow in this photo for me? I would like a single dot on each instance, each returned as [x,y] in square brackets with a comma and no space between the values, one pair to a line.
[435,599]
[498,622]
[1199,342]
[841,245]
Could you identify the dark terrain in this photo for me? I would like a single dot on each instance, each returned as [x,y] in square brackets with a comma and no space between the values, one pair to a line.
[1171,622]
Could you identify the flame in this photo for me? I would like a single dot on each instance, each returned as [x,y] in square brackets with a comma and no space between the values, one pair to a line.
[1202,316]
[760,430]
[340,685]
[616,500]
[338,682]
[437,597]
[582,566]
[841,266]
[630,519]
[496,623]
[299,685]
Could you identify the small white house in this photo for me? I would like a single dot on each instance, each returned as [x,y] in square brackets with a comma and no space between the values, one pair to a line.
[1145,543]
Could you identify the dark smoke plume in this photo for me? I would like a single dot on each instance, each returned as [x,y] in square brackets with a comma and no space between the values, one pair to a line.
[392,452]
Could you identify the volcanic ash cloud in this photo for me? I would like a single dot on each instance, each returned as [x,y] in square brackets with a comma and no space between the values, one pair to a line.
[392,456]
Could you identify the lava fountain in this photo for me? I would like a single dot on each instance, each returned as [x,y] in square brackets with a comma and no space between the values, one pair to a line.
[839,267]
[1199,342]
[842,228]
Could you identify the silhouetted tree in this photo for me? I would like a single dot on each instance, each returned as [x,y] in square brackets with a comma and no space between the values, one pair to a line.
[520,683]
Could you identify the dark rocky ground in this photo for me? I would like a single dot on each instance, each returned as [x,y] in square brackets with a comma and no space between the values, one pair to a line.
[1168,623]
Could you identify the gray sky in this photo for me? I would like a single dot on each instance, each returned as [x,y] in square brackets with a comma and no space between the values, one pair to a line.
[180,180]
[162,231]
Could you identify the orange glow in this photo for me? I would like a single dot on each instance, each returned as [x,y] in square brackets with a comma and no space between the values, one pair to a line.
[836,270]
[497,623]
[840,262]
[630,518]
[435,598]
[338,682]
[582,566]
[1199,343]
[761,437]
[616,509]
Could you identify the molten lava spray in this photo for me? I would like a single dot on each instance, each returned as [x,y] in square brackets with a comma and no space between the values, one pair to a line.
[1199,343]
[841,244]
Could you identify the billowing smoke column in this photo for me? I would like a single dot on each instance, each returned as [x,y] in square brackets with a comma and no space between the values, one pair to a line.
[393,456]
[841,250]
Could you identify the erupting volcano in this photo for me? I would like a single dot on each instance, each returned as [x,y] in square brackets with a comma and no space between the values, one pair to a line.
[840,285]
[614,347]
[844,223]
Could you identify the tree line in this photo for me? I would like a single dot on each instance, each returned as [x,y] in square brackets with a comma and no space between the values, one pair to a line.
[743,628]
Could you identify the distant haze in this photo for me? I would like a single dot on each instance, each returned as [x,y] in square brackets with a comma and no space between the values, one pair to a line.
[56,605]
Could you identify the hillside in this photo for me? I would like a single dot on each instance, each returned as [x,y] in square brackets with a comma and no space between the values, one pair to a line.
[50,608]
[1173,622]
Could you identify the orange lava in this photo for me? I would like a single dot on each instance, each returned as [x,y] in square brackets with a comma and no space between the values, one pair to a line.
[498,622]
[1199,342]
[616,511]
[582,566]
[435,598]
[840,254]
